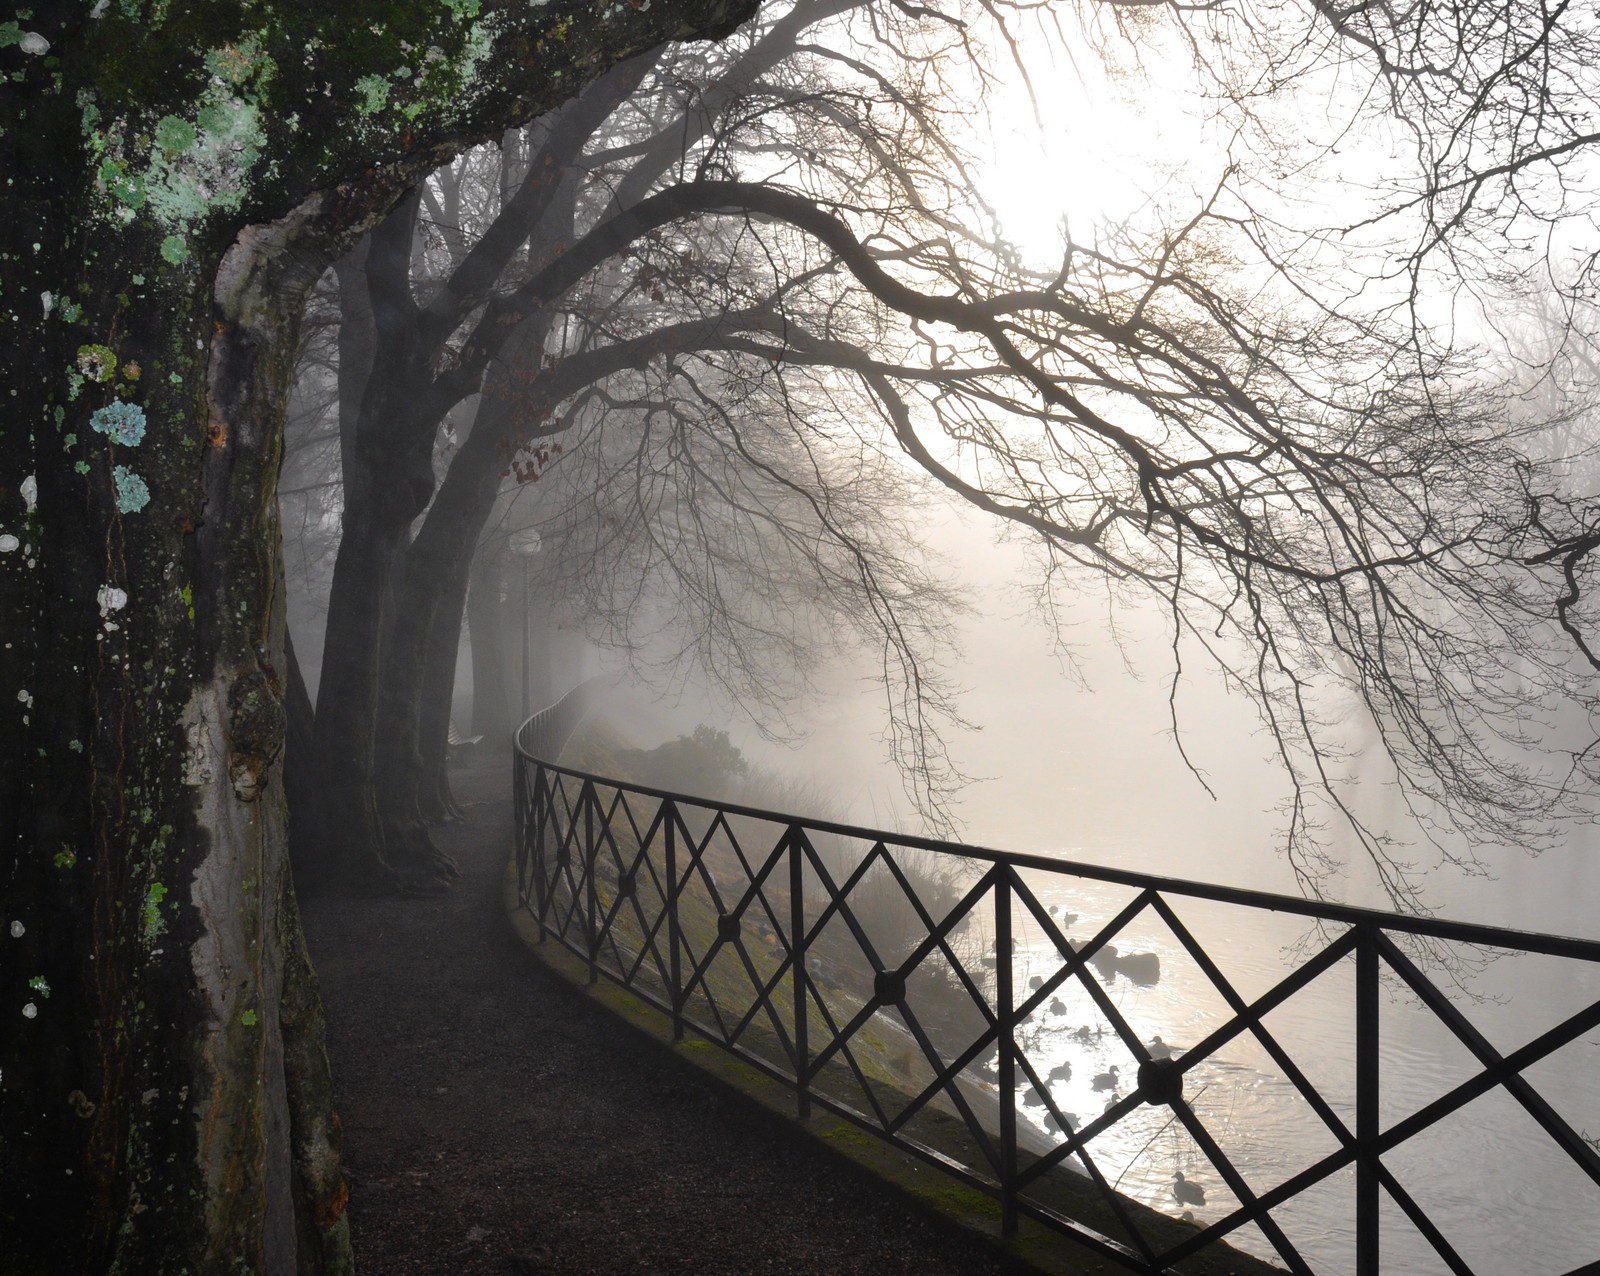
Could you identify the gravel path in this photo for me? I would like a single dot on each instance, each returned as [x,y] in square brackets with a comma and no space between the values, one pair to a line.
[498,1121]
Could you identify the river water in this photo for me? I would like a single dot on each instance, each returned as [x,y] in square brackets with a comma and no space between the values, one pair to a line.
[1092,775]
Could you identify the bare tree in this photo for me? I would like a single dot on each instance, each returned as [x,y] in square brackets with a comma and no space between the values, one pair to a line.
[1321,494]
[406,364]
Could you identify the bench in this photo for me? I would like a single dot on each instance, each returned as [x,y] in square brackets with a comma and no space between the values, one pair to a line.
[457,744]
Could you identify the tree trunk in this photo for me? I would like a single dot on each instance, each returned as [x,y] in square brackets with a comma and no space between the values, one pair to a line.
[389,477]
[364,839]
[491,682]
[299,761]
[426,628]
[435,799]
[164,1105]
[165,1075]
[348,836]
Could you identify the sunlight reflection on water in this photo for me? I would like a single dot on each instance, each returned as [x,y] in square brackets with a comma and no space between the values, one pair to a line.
[1502,1192]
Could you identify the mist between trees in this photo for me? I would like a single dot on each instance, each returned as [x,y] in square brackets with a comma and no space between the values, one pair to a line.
[722,328]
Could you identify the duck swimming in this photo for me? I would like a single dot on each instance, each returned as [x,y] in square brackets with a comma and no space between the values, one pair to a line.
[1187,1193]
[1106,1080]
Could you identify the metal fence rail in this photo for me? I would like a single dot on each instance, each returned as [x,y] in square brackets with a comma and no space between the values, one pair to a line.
[932,993]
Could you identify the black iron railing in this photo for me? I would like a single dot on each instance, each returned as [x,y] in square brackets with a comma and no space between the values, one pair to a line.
[935,995]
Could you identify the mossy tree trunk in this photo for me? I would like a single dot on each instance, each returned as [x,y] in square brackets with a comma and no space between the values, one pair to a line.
[177,179]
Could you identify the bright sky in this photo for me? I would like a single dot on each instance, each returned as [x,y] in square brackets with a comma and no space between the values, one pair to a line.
[1100,147]
[1089,148]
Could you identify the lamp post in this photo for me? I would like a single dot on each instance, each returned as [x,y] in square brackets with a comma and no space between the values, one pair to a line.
[525,544]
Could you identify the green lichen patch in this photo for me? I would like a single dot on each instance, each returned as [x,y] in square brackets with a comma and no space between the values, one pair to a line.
[132,492]
[174,135]
[126,188]
[372,94]
[154,923]
[120,422]
[97,363]
[194,161]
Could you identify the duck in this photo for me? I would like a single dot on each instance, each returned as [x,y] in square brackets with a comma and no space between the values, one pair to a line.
[1158,1048]
[1106,1080]
[1187,1193]
[1054,1126]
[1143,969]
[1084,1033]
[1035,983]
[1032,1098]
[1061,1072]
[1058,1007]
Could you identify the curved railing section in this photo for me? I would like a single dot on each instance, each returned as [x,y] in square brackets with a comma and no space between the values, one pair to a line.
[546,733]
[1100,1050]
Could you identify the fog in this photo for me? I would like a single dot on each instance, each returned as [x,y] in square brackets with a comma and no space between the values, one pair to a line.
[1073,755]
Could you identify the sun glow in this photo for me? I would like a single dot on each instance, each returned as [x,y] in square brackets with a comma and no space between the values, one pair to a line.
[1075,149]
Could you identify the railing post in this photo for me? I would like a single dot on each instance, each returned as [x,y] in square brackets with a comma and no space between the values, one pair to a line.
[591,858]
[669,820]
[797,932]
[1367,1083]
[1006,1009]
[540,819]
[519,824]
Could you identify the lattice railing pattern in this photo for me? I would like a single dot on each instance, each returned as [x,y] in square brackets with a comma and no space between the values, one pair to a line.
[925,990]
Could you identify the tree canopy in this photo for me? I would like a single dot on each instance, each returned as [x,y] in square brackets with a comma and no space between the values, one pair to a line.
[1262,416]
